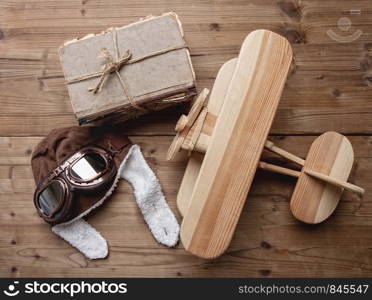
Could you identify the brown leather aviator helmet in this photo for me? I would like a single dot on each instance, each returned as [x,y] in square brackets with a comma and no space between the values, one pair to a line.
[77,168]
[60,146]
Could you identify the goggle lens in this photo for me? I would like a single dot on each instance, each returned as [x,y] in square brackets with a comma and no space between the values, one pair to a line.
[88,167]
[50,198]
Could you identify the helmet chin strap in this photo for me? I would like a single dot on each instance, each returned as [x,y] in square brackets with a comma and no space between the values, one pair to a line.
[150,200]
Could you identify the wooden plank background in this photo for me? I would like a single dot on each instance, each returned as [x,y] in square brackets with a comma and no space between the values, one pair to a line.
[329,88]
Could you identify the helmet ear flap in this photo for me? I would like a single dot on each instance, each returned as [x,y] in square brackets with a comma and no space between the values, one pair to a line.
[93,245]
[150,199]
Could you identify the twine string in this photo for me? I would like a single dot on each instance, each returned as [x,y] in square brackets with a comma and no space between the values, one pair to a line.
[114,65]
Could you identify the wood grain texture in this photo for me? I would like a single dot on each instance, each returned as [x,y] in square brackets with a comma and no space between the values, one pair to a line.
[215,102]
[329,88]
[313,200]
[240,132]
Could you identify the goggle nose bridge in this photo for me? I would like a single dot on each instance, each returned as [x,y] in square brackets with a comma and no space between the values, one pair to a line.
[58,170]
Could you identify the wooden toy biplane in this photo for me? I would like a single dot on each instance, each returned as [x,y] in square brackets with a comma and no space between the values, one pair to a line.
[225,137]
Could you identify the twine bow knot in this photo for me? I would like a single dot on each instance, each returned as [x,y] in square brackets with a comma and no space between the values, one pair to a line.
[111,66]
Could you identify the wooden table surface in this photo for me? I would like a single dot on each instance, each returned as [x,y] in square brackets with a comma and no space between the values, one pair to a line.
[329,88]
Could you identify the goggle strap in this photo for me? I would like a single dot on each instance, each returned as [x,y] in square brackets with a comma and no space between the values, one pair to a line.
[62,168]
[117,142]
